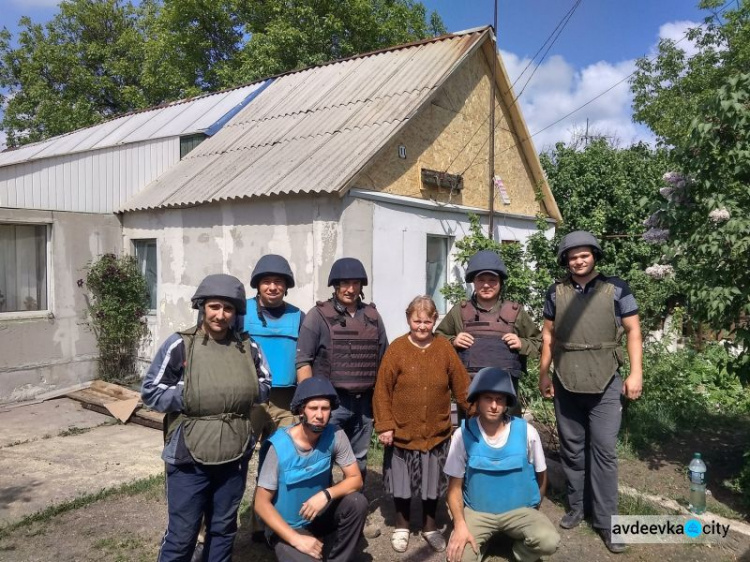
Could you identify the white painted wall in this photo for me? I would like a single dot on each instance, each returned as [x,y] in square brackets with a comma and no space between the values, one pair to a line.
[98,181]
[399,252]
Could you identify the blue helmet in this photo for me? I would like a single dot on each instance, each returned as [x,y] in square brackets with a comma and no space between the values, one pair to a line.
[485,260]
[271,264]
[492,379]
[313,387]
[347,268]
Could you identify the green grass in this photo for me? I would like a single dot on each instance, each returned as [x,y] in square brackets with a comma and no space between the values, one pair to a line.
[634,505]
[151,485]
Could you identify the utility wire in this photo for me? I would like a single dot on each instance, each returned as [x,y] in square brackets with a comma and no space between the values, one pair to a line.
[532,59]
[565,21]
[552,37]
[723,9]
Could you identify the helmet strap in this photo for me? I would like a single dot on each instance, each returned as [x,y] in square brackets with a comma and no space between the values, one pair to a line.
[312,427]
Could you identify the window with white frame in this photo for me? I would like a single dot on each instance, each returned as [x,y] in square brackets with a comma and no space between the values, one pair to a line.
[23,267]
[438,248]
[145,256]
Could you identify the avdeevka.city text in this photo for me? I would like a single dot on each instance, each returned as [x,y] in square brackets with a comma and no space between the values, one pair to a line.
[667,528]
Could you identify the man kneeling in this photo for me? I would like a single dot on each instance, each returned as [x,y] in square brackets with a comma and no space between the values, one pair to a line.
[498,477]
[295,497]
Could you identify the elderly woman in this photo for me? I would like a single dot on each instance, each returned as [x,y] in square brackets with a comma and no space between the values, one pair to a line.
[412,404]
[206,379]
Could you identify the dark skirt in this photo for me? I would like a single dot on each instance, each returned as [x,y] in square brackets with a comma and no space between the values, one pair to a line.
[408,473]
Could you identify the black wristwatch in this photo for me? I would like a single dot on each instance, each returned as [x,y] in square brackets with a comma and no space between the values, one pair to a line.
[327,494]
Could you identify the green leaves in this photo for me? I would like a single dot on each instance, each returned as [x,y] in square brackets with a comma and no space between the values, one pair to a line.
[117,304]
[98,59]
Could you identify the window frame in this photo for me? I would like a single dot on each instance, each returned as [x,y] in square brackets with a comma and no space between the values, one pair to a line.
[48,311]
[448,241]
[134,253]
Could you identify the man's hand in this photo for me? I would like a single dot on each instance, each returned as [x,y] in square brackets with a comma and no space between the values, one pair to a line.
[312,507]
[546,387]
[632,387]
[463,340]
[386,438]
[460,537]
[513,341]
[308,545]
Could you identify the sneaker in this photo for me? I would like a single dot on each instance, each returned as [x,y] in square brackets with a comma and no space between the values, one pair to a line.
[435,539]
[613,547]
[571,519]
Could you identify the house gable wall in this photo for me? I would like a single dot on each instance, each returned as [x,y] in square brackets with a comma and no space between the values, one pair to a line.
[450,134]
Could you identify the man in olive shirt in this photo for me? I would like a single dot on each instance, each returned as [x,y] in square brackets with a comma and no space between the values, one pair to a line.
[486,330]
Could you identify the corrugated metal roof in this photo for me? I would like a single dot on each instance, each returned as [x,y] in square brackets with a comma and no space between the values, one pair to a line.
[312,130]
[183,117]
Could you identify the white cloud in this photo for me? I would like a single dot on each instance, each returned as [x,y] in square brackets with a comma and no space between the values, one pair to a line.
[676,30]
[558,88]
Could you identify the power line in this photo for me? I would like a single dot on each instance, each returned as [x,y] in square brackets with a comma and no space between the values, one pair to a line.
[531,60]
[565,21]
[613,86]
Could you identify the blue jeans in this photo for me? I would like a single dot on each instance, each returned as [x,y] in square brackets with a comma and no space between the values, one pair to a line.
[354,416]
[194,490]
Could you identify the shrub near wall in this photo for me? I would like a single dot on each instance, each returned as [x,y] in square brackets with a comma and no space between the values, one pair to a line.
[117,304]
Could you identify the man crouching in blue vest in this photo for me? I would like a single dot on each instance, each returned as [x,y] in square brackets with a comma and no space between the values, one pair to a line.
[498,476]
[295,497]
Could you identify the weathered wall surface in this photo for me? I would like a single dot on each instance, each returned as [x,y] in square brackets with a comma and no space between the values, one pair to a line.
[230,237]
[45,351]
[399,253]
[450,135]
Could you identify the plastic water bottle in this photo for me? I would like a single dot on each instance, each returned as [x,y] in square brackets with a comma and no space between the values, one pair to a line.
[697,476]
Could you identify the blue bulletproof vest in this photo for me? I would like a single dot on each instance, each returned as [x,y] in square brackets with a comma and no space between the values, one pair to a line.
[277,339]
[301,477]
[498,480]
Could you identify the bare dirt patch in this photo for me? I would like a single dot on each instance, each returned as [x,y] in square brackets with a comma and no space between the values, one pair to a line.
[129,529]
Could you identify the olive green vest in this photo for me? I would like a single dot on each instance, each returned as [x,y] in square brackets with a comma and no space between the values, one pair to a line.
[221,385]
[587,350]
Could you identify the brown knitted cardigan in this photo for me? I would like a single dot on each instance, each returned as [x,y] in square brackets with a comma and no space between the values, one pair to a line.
[413,392]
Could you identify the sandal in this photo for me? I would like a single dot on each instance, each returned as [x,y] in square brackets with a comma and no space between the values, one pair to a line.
[400,540]
[435,539]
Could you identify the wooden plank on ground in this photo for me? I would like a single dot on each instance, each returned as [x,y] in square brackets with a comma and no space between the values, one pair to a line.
[100,393]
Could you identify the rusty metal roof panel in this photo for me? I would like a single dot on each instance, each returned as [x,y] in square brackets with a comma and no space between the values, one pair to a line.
[314,129]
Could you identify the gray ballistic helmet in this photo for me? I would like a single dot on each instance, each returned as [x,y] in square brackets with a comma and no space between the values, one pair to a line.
[221,286]
[271,264]
[492,379]
[485,260]
[313,387]
[575,239]
[347,268]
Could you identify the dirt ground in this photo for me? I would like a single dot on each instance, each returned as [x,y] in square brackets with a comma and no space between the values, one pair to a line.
[128,529]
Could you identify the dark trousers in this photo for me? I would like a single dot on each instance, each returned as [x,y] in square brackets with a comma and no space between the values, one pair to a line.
[339,527]
[354,416]
[588,425]
[197,489]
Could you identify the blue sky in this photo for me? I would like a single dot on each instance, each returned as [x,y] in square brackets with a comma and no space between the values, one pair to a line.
[597,49]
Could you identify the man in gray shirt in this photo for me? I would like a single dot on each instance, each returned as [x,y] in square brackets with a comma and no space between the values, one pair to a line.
[295,497]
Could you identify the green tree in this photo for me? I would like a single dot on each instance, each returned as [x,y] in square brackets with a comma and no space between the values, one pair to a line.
[287,36]
[601,189]
[705,217]
[668,90]
[100,58]
[78,69]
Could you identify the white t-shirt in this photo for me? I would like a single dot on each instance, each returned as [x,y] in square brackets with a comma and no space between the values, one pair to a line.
[455,464]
